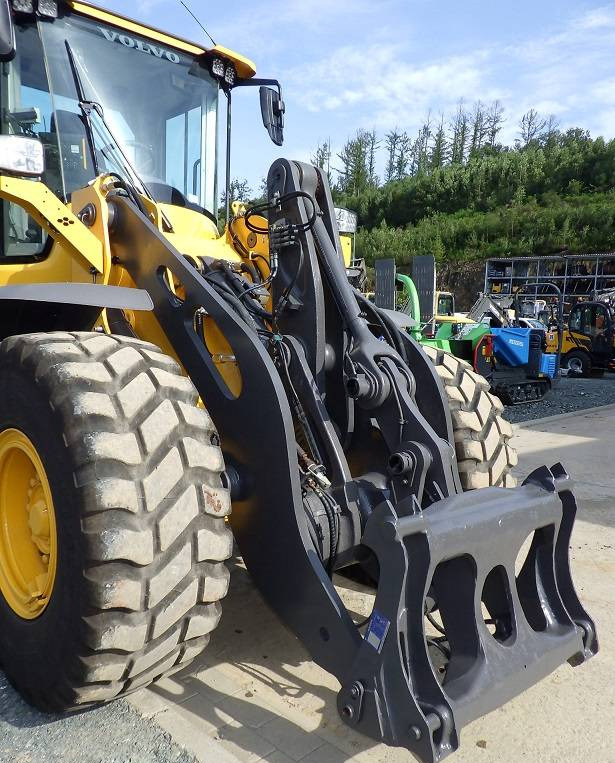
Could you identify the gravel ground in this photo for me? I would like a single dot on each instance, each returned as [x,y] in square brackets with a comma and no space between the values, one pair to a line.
[113,734]
[570,394]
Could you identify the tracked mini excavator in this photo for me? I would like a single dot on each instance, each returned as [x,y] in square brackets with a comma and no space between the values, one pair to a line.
[154,373]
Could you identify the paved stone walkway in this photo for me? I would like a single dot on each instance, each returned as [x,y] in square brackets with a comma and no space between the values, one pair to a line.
[256,695]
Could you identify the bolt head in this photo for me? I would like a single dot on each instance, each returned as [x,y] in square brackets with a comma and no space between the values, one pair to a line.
[348,712]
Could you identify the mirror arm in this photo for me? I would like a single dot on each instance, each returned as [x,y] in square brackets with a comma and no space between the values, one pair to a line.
[255,82]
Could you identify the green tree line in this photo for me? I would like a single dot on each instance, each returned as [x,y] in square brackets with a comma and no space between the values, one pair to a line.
[455,191]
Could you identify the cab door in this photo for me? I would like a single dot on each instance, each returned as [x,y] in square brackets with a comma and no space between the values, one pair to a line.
[591,328]
[602,340]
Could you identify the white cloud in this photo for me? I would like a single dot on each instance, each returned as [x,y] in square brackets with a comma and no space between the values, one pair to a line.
[604,91]
[598,18]
[569,73]
[380,81]
[604,122]
[294,25]
[564,72]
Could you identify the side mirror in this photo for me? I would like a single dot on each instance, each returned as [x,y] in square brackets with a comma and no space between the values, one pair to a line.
[21,156]
[272,109]
[7,32]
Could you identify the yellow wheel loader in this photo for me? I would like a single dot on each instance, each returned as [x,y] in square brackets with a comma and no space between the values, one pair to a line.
[164,388]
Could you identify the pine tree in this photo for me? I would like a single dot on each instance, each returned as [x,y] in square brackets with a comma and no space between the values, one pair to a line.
[420,149]
[531,127]
[479,128]
[321,158]
[392,143]
[372,144]
[460,129]
[494,120]
[403,157]
[440,149]
[355,171]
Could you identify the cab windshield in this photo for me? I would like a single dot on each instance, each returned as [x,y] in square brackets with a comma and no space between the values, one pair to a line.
[446,304]
[160,104]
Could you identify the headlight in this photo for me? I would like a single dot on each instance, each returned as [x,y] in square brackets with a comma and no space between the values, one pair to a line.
[48,8]
[230,75]
[21,156]
[217,67]
[23,6]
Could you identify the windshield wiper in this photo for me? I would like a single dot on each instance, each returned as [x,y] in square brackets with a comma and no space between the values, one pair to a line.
[87,107]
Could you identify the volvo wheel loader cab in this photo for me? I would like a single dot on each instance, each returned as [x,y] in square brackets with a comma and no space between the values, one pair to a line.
[153,374]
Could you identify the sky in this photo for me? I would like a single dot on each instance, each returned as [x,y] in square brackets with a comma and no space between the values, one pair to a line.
[351,64]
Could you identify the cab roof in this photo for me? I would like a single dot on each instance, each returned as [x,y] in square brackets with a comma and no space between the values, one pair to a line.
[246,69]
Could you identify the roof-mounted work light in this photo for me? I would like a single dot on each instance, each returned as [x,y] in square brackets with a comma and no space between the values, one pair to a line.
[217,68]
[46,8]
[230,75]
[23,6]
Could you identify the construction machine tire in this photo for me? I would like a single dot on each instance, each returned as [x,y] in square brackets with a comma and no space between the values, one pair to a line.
[136,477]
[485,457]
[578,362]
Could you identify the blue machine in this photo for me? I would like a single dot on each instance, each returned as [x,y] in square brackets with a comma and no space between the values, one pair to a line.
[523,371]
[523,347]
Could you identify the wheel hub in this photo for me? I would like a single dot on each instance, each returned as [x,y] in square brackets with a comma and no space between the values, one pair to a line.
[28,541]
[574,364]
[38,513]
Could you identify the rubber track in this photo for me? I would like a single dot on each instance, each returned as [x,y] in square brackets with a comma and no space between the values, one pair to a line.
[482,437]
[147,466]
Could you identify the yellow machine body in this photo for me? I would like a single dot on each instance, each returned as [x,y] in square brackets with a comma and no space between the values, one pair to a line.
[80,253]
[346,239]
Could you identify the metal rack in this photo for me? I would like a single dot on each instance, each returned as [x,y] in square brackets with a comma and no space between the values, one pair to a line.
[578,276]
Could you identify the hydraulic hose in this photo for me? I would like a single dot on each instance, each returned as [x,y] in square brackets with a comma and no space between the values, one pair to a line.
[335,272]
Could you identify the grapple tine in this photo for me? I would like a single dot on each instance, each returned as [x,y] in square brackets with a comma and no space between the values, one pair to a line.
[563,484]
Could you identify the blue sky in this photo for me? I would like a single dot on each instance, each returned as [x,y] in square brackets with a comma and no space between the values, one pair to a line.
[349,64]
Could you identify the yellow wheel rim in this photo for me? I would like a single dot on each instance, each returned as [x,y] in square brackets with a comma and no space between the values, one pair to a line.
[28,538]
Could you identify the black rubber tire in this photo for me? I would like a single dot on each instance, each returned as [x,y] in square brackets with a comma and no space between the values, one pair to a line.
[136,474]
[485,456]
[582,358]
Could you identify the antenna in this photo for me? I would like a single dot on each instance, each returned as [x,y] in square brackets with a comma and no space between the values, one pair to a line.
[213,42]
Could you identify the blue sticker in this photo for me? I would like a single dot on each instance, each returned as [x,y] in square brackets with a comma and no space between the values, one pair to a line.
[377,631]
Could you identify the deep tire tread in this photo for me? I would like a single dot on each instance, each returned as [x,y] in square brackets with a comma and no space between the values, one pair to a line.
[165,441]
[482,436]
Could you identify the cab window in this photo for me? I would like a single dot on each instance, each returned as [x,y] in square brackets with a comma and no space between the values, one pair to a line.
[581,320]
[446,305]
[27,109]
[601,320]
